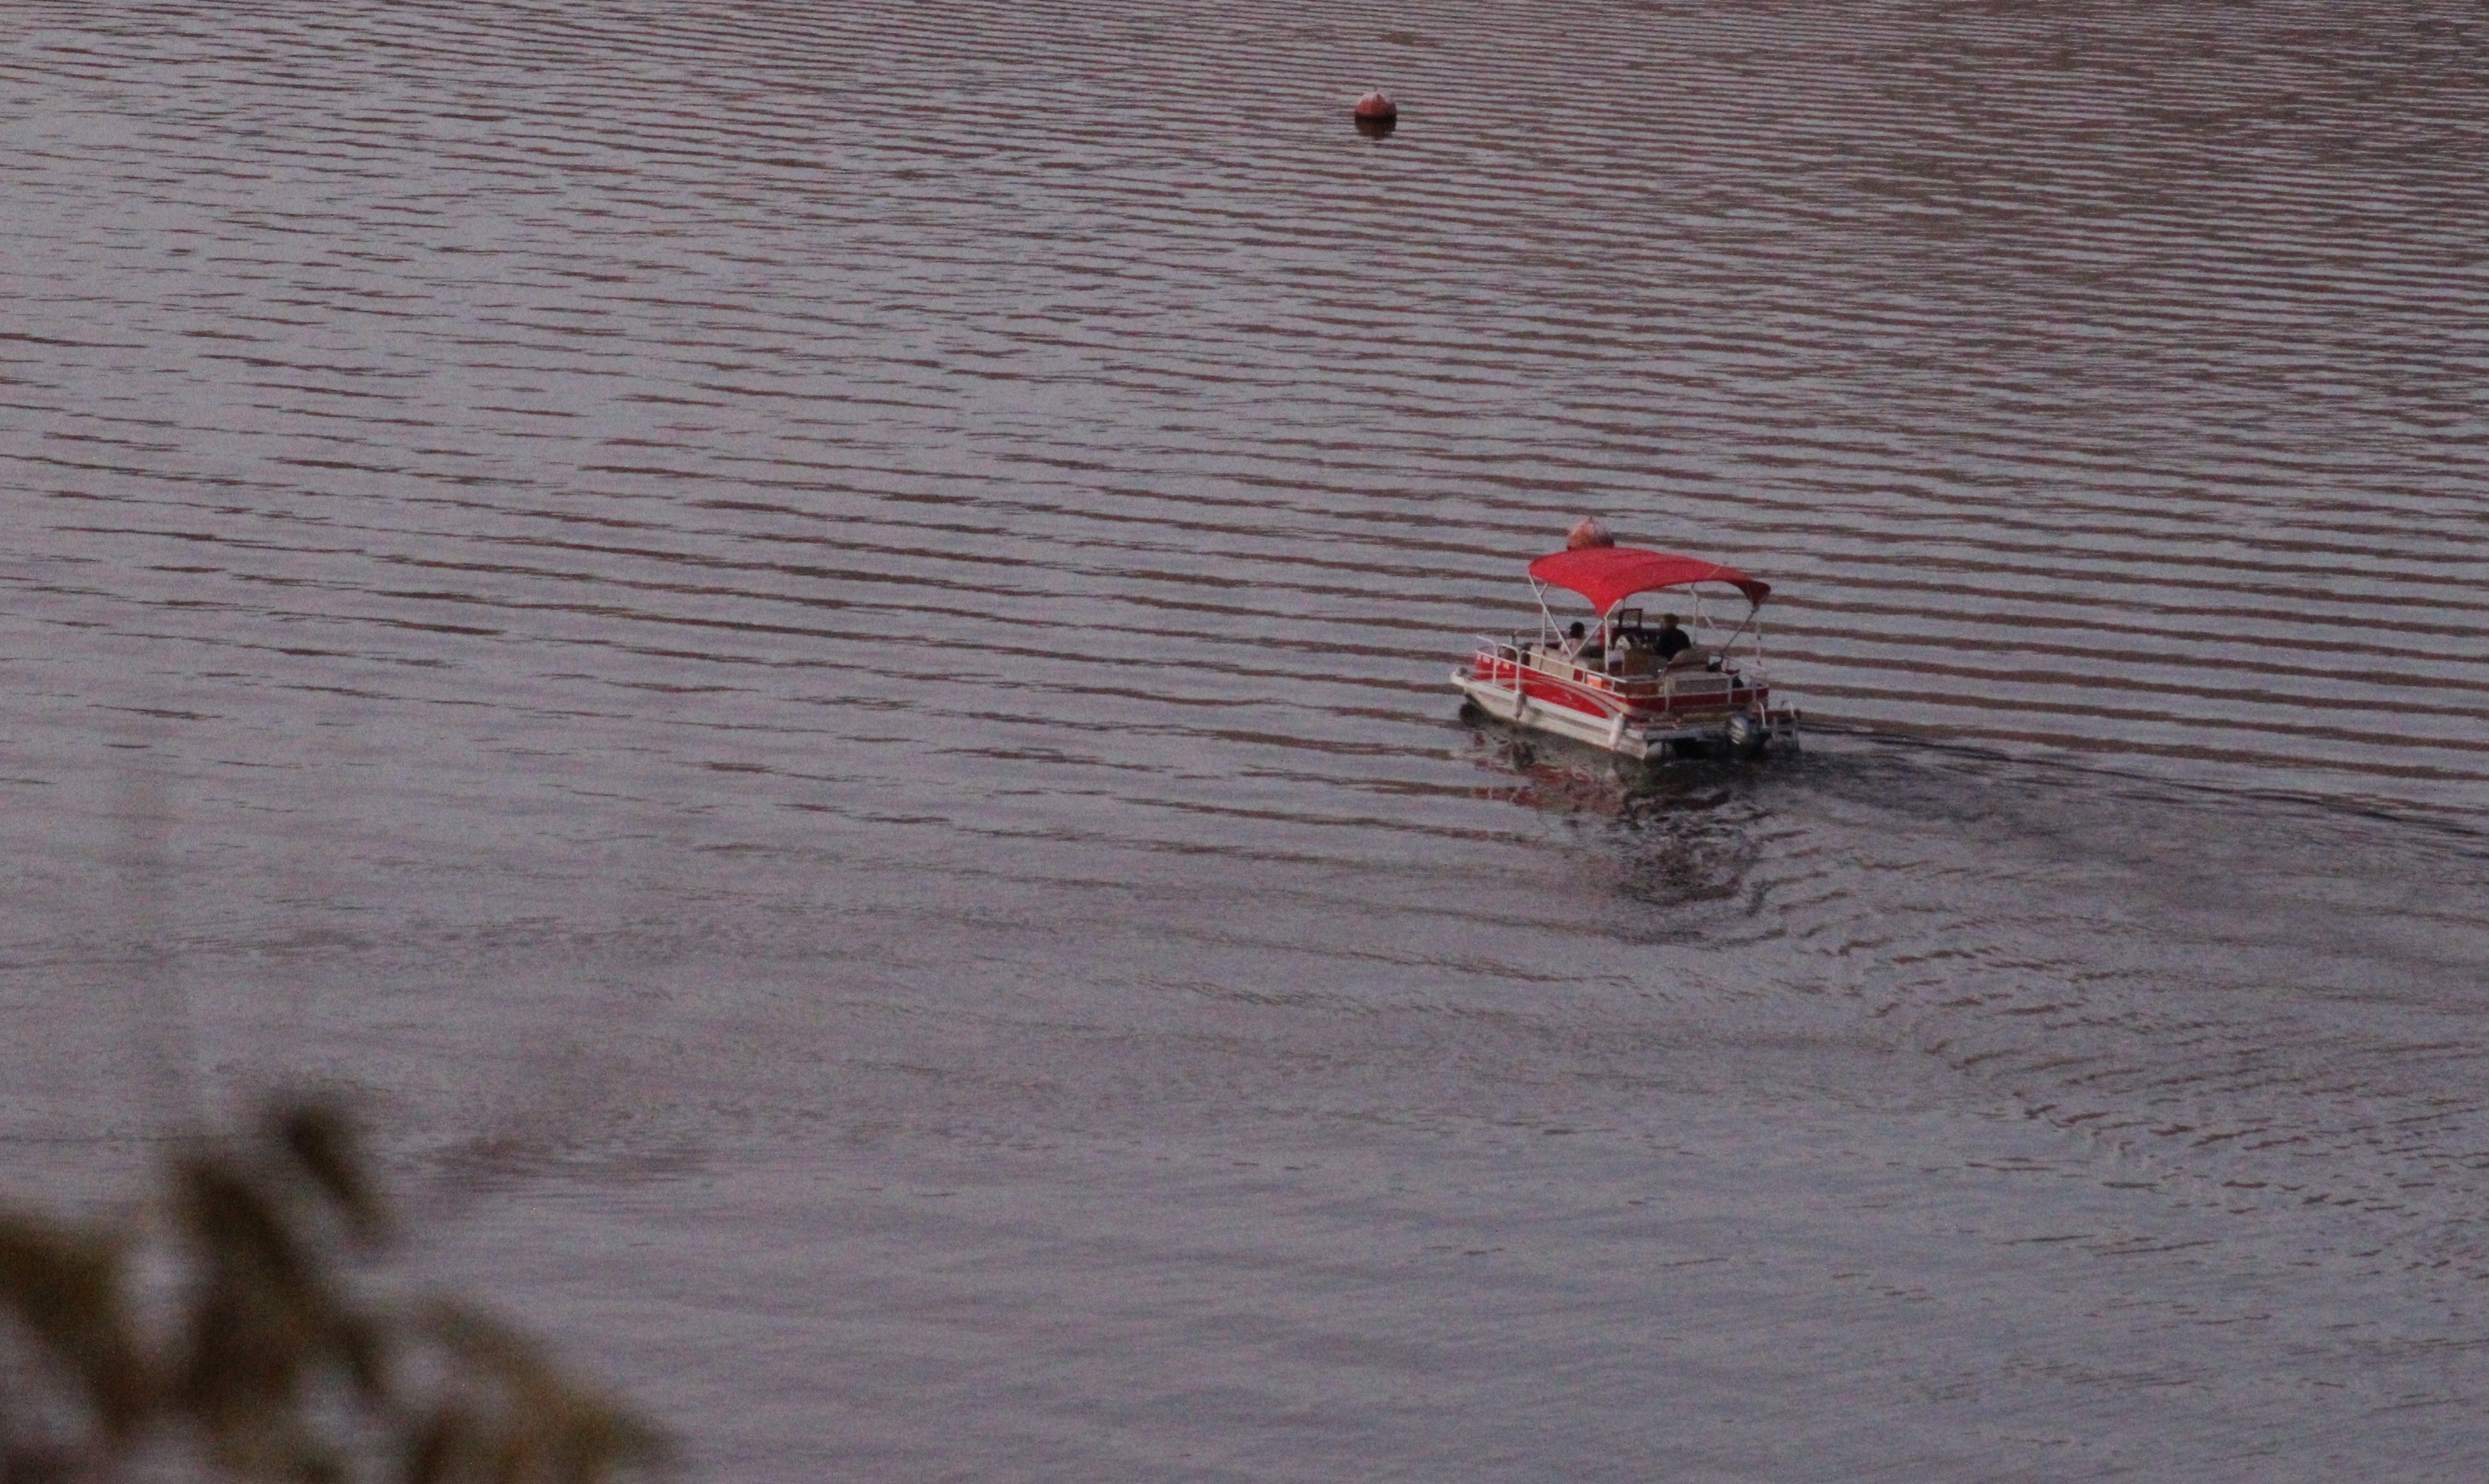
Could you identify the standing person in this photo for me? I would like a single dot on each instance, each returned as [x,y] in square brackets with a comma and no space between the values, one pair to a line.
[1671,640]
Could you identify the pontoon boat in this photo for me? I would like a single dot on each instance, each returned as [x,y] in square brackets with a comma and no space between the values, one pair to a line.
[1629,684]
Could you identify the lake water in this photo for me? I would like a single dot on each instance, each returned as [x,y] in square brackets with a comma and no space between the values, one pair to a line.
[808,643]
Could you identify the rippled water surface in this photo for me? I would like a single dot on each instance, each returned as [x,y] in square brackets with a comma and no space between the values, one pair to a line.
[810,641]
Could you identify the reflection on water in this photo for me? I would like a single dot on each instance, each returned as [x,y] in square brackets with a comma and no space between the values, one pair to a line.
[1554,773]
[1678,846]
[819,663]
[1664,835]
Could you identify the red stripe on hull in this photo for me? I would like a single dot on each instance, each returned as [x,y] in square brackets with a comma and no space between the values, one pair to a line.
[1544,688]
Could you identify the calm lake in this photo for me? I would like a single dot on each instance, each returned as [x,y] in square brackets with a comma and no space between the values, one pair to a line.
[808,643]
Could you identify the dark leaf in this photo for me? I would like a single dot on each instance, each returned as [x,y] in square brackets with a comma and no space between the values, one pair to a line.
[242,1230]
[279,1372]
[66,1287]
[321,1140]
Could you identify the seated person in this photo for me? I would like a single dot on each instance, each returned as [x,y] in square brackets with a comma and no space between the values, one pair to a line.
[1577,642]
[1671,640]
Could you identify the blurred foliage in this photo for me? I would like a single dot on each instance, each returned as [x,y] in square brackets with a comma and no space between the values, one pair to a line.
[241,1331]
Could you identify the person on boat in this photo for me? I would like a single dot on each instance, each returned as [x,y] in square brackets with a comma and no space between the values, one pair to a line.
[1671,640]
[1576,640]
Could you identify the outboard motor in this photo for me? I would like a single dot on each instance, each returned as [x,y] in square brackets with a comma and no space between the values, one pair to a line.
[1747,734]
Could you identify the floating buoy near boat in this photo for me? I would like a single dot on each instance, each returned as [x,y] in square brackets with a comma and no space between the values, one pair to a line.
[1376,106]
[1590,532]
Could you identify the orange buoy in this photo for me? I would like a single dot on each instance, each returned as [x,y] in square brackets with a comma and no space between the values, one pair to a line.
[1377,105]
[1590,532]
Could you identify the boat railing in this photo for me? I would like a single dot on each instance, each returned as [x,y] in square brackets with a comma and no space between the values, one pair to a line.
[1507,650]
[1609,692]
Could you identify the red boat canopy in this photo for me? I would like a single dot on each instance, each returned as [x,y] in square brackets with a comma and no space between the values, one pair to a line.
[1608,575]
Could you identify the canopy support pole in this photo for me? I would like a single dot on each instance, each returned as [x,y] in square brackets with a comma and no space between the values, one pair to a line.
[1546,619]
[1753,621]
